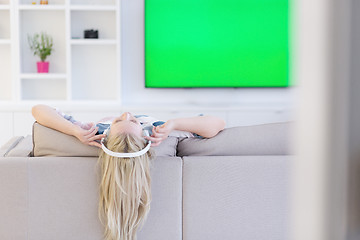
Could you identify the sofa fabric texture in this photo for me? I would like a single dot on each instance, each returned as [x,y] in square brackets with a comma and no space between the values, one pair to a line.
[9,145]
[244,196]
[265,139]
[23,148]
[56,198]
[49,142]
[233,186]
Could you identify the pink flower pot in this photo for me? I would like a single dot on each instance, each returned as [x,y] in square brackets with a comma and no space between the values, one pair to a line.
[42,67]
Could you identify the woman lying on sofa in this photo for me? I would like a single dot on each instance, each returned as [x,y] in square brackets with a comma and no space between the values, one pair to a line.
[125,187]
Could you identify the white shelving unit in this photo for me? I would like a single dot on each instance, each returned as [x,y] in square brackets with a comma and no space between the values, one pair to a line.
[6,51]
[81,70]
[93,42]
[93,8]
[4,41]
[5,7]
[43,76]
[41,7]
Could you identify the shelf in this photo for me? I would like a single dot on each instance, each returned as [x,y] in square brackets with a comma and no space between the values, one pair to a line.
[103,21]
[5,41]
[42,7]
[93,41]
[44,87]
[4,7]
[42,76]
[74,63]
[92,8]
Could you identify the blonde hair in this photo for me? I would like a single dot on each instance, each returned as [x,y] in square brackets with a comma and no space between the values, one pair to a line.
[125,188]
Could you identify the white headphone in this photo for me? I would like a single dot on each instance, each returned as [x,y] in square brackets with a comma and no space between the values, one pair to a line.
[124,155]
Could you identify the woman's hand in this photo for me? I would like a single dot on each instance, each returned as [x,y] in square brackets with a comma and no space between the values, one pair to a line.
[160,133]
[87,136]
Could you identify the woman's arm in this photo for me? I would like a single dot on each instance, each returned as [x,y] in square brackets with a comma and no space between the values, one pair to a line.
[49,117]
[206,126]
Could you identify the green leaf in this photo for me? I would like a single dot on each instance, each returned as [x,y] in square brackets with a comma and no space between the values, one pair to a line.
[41,45]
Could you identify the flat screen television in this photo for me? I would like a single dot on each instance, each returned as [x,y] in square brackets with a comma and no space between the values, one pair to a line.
[212,43]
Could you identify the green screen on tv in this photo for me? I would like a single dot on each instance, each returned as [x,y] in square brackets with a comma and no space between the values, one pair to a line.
[212,43]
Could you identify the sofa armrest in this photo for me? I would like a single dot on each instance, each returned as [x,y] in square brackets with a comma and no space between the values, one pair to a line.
[9,145]
[23,148]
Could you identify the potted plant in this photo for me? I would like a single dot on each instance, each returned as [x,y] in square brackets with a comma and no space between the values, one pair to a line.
[41,45]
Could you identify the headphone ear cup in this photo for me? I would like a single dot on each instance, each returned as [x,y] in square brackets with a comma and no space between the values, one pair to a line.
[148,129]
[146,133]
[106,131]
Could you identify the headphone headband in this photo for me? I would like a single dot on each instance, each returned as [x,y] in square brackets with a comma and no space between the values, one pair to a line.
[124,155]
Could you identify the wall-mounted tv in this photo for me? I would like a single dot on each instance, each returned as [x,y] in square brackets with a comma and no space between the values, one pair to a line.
[212,43]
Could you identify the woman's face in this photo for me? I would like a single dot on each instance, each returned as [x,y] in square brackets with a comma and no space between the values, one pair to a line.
[126,123]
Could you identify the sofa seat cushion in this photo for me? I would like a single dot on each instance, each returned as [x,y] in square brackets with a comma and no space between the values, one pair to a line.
[265,139]
[50,142]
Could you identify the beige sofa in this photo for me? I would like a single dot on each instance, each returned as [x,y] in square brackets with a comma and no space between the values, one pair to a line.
[233,186]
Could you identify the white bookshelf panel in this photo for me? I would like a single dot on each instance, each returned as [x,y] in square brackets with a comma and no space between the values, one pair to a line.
[93,42]
[51,22]
[103,21]
[42,7]
[93,2]
[43,89]
[50,2]
[93,7]
[7,132]
[5,41]
[42,76]
[4,7]
[4,24]
[5,73]
[94,73]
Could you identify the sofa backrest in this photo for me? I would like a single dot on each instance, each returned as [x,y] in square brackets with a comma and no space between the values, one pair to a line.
[265,139]
[49,142]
